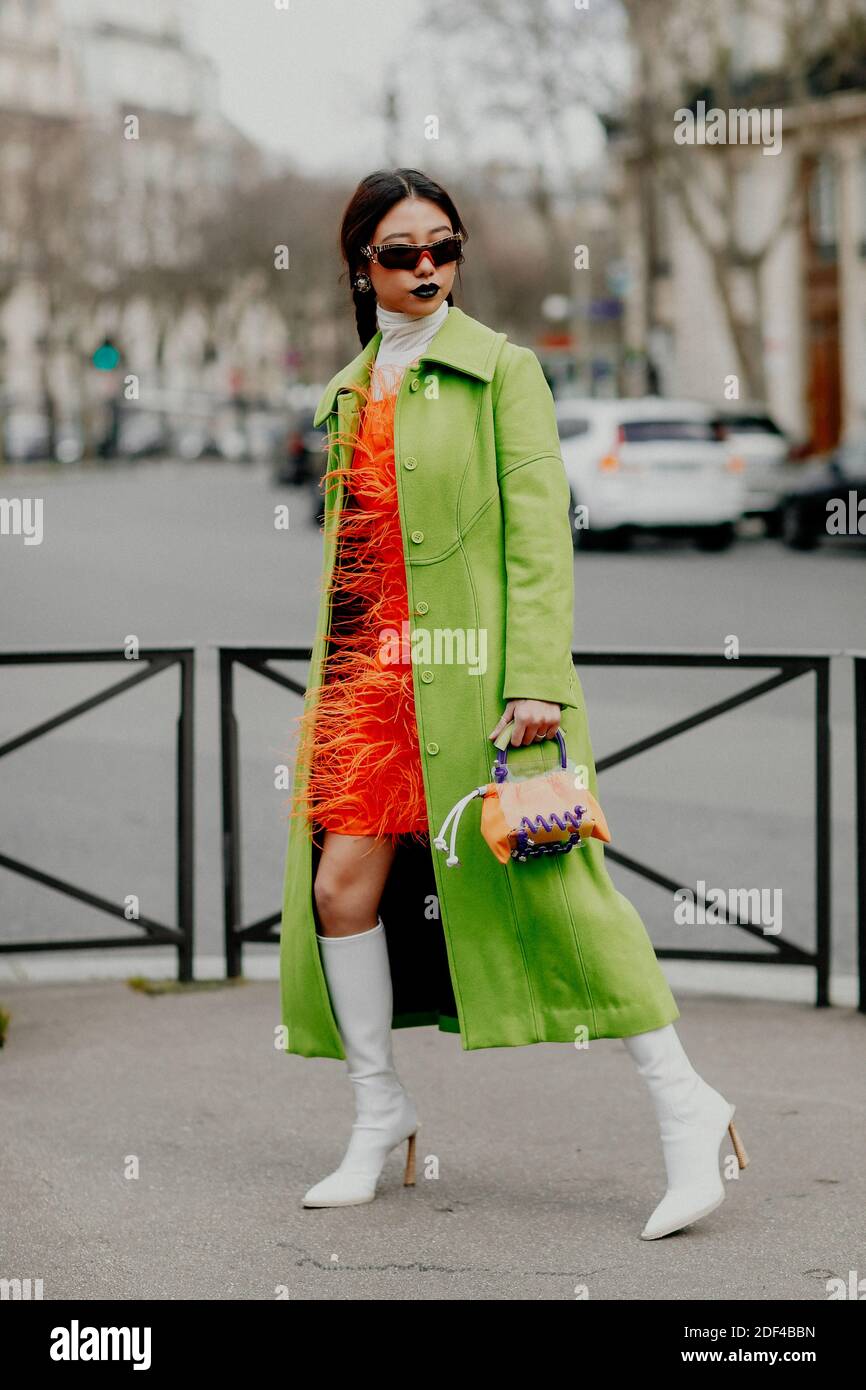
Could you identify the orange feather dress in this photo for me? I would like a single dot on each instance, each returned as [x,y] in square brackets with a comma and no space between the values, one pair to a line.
[360,732]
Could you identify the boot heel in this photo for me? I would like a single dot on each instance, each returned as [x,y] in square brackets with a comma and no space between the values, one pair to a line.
[409,1175]
[739,1150]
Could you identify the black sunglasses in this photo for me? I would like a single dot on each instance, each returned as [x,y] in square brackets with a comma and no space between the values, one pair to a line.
[406,257]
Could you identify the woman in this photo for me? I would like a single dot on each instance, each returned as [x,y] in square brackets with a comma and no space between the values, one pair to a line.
[446,502]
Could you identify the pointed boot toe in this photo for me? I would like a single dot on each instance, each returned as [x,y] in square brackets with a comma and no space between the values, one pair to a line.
[677,1210]
[341,1189]
[691,1153]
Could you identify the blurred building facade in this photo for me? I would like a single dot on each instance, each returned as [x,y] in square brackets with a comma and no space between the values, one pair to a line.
[113,151]
[804,302]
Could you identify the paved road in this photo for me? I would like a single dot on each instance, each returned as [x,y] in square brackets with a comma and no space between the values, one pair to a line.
[188,553]
[537,1166]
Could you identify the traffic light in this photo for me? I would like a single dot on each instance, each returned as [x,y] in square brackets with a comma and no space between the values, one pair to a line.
[106,356]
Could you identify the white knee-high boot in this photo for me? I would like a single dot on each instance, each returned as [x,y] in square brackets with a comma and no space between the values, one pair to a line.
[359,982]
[692,1120]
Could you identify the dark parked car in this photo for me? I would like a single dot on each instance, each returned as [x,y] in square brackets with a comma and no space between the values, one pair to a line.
[303,456]
[829,500]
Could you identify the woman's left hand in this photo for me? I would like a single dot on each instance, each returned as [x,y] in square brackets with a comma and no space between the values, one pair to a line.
[534,721]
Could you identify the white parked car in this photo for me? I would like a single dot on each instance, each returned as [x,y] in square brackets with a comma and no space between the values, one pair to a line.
[649,465]
[765,450]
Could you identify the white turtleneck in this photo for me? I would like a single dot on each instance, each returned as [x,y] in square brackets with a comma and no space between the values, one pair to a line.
[404,336]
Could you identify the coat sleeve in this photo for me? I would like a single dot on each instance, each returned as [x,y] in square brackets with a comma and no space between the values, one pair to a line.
[539,555]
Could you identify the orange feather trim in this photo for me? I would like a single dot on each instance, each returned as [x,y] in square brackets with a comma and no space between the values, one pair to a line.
[360,735]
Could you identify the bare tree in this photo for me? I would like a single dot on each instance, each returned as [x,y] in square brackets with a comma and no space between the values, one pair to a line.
[43,222]
[531,66]
[684,49]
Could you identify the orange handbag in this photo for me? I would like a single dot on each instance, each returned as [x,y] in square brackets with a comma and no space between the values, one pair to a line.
[522,818]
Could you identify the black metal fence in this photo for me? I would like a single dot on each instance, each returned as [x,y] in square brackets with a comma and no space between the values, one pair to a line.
[151,661]
[859,659]
[786,667]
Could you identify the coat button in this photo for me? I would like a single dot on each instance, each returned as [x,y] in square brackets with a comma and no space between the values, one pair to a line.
[422,607]
[433,748]
[417,537]
[426,677]
[410,462]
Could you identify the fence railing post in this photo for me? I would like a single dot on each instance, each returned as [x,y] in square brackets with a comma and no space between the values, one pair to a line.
[186,817]
[860,819]
[231,818]
[823,837]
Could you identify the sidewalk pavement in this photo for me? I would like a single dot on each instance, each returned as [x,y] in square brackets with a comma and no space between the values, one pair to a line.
[537,1166]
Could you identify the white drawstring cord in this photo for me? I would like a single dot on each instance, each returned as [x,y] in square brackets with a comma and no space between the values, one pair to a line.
[456,812]
[439,842]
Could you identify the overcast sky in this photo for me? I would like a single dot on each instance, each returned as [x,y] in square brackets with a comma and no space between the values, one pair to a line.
[307,82]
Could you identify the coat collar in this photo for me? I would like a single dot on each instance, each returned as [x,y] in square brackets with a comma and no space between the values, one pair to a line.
[462,343]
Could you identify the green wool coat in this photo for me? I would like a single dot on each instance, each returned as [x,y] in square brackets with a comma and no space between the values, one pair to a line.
[504,954]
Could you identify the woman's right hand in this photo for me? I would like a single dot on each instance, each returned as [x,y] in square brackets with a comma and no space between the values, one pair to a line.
[534,721]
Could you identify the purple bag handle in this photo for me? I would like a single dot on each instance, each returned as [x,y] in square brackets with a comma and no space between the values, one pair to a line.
[500,767]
